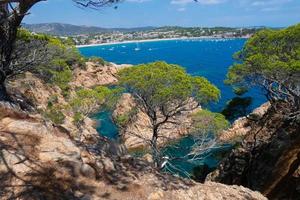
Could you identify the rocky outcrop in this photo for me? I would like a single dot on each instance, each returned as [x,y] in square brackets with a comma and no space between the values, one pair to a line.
[95,74]
[268,159]
[35,90]
[242,126]
[38,93]
[137,131]
[40,161]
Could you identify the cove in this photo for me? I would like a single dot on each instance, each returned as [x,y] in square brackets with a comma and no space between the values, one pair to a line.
[210,58]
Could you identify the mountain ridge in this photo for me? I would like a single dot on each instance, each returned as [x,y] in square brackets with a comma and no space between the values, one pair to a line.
[63,29]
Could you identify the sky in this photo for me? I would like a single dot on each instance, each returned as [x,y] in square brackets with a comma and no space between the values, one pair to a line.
[139,13]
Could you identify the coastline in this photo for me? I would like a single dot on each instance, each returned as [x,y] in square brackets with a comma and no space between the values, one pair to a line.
[153,40]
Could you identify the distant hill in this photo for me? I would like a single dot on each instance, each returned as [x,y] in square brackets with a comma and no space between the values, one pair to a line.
[69,29]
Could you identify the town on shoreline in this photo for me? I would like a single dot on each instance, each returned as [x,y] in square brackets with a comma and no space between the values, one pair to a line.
[83,36]
[161,34]
[157,40]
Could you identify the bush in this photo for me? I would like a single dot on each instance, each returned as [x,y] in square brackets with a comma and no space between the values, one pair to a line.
[62,50]
[62,76]
[98,60]
[205,121]
[124,119]
[52,100]
[55,115]
[88,101]
[78,118]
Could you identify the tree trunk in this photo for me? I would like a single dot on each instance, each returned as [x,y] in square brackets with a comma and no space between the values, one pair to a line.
[9,24]
[155,154]
[3,93]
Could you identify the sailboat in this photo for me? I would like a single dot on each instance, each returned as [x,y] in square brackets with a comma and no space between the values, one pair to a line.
[137,47]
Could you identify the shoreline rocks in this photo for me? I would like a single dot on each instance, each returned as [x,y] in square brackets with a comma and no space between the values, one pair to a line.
[268,158]
[241,127]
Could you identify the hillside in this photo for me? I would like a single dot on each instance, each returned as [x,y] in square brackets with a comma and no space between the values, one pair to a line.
[43,160]
[69,29]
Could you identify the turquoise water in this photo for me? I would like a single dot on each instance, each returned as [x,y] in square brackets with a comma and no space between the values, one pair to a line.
[208,58]
[105,125]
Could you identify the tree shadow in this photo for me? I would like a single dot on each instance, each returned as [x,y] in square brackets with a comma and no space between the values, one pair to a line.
[33,180]
[237,107]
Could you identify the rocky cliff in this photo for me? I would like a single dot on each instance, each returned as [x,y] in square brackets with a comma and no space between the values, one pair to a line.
[242,126]
[41,161]
[38,94]
[268,158]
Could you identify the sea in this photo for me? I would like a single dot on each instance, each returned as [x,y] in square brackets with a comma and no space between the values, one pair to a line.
[210,58]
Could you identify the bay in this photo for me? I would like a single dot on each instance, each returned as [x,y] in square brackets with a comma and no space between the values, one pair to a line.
[210,58]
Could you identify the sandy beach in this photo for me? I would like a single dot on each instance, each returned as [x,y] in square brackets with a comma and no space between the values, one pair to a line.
[150,40]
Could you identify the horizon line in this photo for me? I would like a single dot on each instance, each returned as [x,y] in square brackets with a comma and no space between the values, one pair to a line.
[145,26]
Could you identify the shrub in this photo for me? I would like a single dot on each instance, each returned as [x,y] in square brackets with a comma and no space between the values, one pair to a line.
[62,76]
[55,115]
[124,119]
[88,101]
[98,60]
[78,118]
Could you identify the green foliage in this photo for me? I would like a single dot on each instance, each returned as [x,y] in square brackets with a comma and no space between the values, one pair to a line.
[240,90]
[204,91]
[162,84]
[53,111]
[97,60]
[62,76]
[60,52]
[237,107]
[25,35]
[88,101]
[59,49]
[52,101]
[78,118]
[124,119]
[205,121]
[271,59]
[98,93]
[164,90]
[55,115]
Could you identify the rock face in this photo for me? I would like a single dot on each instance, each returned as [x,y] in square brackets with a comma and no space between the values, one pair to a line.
[39,161]
[268,159]
[95,75]
[138,129]
[40,93]
[242,126]
[35,90]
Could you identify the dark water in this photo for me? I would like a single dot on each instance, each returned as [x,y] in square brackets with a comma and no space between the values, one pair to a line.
[210,58]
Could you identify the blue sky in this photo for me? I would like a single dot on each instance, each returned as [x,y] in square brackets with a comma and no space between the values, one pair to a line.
[137,13]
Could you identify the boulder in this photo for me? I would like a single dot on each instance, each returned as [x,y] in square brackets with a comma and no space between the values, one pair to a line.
[87,171]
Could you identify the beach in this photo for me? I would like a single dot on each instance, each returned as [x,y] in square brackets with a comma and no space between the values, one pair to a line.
[152,40]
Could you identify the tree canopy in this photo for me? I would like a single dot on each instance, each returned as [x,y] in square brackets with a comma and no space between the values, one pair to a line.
[163,91]
[270,59]
[160,85]
[206,126]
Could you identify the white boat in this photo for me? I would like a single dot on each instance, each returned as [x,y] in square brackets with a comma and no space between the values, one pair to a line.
[137,47]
